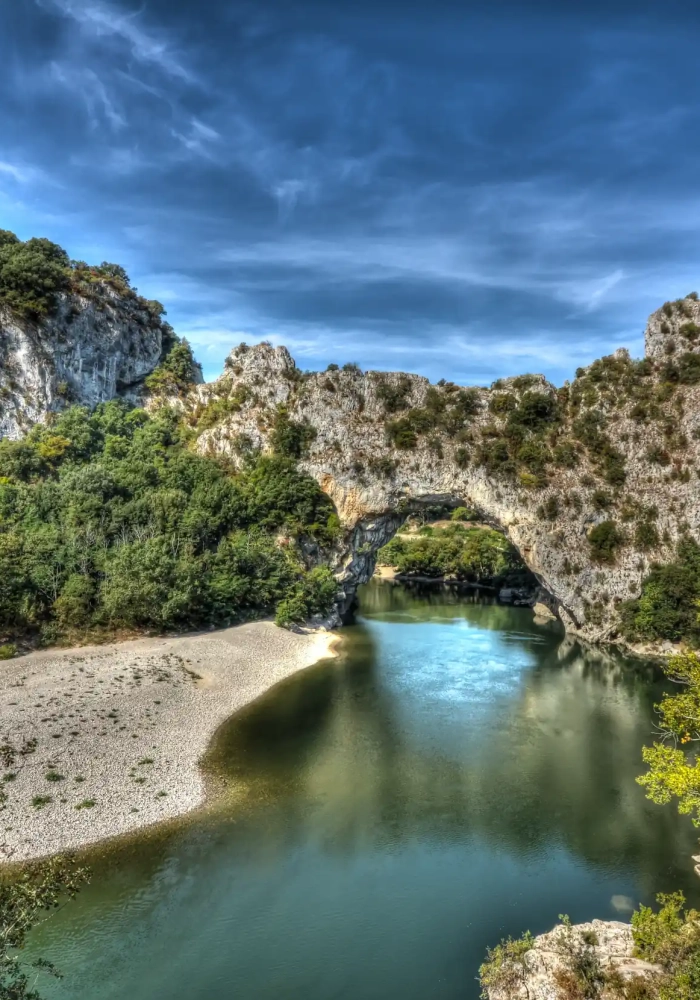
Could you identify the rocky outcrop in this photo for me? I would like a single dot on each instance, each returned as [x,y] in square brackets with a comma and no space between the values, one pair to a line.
[640,469]
[607,943]
[89,350]
[592,482]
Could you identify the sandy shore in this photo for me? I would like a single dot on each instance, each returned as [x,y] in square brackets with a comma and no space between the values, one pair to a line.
[102,740]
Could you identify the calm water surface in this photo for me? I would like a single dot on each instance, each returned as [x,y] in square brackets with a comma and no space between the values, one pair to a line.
[457,775]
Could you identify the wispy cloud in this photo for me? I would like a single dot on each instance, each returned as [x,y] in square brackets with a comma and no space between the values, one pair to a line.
[104,20]
[459,194]
[20,174]
[88,89]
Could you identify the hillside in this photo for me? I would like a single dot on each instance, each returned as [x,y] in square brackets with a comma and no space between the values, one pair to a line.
[594,483]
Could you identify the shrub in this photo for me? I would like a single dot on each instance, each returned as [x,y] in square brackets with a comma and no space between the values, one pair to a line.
[393,394]
[666,608]
[502,403]
[314,595]
[401,434]
[533,454]
[688,368]
[462,457]
[504,973]
[495,458]
[382,466]
[565,454]
[463,514]
[646,536]
[32,274]
[291,438]
[551,508]
[7,651]
[125,527]
[604,540]
[691,331]
[601,500]
[175,374]
[534,411]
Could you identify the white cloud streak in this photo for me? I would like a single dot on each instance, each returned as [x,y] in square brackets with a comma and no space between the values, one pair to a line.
[104,20]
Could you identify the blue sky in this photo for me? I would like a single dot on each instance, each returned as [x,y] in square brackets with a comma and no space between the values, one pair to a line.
[460,189]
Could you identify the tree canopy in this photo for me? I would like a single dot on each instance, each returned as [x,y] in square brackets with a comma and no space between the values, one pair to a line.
[109,521]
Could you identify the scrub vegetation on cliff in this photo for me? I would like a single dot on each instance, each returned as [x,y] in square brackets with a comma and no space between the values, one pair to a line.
[34,272]
[593,482]
[668,939]
[109,521]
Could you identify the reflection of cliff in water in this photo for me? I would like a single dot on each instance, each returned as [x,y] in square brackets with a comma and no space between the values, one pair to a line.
[358,752]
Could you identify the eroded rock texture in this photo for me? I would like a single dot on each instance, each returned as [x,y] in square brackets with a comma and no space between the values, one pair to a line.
[592,482]
[610,942]
[618,447]
[89,351]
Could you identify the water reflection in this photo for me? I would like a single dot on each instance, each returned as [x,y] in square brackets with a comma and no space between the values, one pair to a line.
[459,773]
[526,739]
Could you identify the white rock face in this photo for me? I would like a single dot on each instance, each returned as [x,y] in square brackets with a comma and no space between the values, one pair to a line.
[670,331]
[614,950]
[94,349]
[89,351]
[375,485]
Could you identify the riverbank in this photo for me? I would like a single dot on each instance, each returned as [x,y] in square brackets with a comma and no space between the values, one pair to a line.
[100,741]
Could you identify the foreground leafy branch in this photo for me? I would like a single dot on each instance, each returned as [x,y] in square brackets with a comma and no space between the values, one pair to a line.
[41,889]
[673,773]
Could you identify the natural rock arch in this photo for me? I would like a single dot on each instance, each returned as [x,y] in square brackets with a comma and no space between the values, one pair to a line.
[376,469]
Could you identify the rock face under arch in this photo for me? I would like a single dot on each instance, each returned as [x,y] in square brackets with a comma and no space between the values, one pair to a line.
[548,516]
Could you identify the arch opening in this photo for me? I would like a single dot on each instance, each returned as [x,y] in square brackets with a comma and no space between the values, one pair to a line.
[357,560]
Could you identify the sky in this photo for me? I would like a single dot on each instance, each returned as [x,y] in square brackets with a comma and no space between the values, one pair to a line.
[465,190]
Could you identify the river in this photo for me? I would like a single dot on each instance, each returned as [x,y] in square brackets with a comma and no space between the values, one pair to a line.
[459,773]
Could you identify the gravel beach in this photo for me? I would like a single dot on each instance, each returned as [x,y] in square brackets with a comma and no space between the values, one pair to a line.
[102,740]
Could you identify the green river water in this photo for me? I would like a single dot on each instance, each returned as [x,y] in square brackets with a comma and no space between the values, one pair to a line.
[457,774]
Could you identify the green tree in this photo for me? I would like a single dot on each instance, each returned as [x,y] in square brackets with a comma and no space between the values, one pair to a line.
[673,772]
[32,274]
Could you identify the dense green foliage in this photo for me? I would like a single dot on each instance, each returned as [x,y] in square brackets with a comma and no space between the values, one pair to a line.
[175,374]
[669,937]
[447,411]
[672,773]
[33,272]
[24,903]
[668,605]
[291,438]
[477,555]
[109,521]
[604,539]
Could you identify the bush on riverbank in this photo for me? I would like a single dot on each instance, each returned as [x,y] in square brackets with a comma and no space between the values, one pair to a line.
[108,521]
[668,605]
[476,555]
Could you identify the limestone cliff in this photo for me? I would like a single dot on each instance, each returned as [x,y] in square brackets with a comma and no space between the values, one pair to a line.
[592,482]
[88,350]
[606,945]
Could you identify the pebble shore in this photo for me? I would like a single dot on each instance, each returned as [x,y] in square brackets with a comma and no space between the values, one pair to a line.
[103,740]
